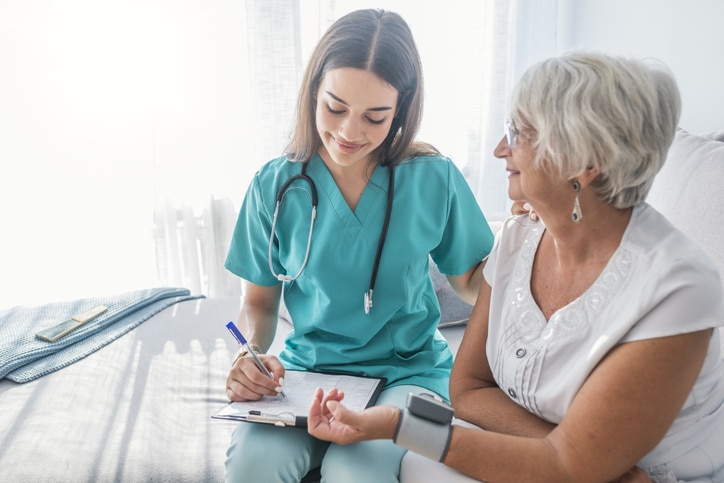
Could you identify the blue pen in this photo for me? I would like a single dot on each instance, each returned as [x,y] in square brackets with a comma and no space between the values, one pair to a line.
[240,338]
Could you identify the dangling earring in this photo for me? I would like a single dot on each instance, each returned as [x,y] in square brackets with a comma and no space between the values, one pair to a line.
[576,216]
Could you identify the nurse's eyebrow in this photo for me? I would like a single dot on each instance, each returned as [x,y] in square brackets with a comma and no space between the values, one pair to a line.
[341,101]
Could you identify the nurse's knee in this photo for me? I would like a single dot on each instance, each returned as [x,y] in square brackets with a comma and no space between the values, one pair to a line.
[266,453]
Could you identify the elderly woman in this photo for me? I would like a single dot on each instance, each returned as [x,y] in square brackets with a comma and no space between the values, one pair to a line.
[592,353]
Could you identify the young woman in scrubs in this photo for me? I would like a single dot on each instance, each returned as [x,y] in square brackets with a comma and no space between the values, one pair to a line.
[358,113]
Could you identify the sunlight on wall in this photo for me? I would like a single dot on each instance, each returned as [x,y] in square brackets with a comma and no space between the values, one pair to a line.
[108,108]
[112,55]
[77,138]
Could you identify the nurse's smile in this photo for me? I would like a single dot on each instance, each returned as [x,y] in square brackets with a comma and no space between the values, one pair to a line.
[354,112]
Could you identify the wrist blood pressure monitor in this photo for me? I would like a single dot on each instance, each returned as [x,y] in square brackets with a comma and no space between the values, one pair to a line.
[424,426]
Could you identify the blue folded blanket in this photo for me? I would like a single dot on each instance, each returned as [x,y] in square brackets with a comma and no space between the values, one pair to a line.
[23,357]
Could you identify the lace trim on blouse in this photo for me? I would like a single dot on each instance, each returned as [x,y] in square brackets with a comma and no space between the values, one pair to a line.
[527,317]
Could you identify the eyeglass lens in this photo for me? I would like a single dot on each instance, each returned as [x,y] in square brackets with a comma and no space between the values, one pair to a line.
[511,133]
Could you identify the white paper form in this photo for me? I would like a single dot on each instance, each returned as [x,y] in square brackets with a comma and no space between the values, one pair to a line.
[299,386]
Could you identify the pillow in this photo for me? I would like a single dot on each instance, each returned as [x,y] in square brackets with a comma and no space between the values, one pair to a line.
[716,135]
[688,190]
[453,310]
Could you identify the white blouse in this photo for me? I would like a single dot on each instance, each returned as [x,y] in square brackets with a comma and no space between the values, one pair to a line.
[658,283]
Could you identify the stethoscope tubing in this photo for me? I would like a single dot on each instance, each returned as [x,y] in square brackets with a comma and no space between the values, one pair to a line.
[381,243]
[313,193]
[280,196]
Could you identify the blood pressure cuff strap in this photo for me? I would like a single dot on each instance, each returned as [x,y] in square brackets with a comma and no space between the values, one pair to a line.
[423,436]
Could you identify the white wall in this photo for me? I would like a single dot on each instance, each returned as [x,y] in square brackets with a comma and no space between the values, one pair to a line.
[688,35]
[96,97]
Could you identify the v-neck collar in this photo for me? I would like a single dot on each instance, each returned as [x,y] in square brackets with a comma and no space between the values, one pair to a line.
[376,187]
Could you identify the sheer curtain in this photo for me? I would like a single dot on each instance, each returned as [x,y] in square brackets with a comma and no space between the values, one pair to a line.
[472,52]
[129,131]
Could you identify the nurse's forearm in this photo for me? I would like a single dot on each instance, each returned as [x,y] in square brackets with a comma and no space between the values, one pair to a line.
[259,314]
[258,326]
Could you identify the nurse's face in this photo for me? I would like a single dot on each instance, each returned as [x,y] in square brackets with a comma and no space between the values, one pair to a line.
[354,112]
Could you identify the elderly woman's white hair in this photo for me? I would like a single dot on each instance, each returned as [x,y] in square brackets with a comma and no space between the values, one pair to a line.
[595,110]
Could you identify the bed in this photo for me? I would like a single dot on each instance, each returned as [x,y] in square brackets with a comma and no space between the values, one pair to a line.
[138,409]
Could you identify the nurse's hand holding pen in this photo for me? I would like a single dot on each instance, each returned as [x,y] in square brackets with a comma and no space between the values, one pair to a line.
[247,381]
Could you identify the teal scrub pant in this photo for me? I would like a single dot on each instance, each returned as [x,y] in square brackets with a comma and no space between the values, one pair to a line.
[262,453]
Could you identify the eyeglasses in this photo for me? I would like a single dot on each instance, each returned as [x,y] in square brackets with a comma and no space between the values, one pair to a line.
[512,134]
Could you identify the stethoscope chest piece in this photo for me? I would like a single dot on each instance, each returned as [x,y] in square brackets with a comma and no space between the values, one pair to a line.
[368,301]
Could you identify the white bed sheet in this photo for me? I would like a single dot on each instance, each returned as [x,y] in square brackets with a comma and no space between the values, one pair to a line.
[138,409]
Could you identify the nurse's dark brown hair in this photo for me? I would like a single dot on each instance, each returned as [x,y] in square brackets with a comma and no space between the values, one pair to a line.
[380,42]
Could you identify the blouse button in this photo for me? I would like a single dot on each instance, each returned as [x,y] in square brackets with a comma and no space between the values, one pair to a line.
[512,393]
[520,353]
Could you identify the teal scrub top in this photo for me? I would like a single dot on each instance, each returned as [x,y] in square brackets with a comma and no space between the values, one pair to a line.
[434,213]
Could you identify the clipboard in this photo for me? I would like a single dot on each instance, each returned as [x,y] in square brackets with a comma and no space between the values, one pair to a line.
[360,392]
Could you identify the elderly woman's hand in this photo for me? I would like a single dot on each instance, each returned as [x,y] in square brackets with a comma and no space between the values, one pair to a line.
[329,420]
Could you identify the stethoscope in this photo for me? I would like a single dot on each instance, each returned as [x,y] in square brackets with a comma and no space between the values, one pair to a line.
[313,192]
